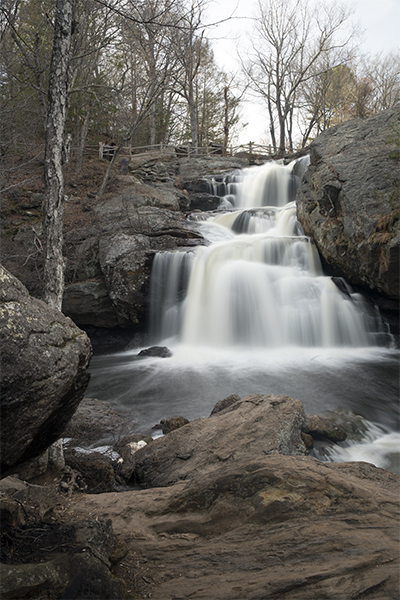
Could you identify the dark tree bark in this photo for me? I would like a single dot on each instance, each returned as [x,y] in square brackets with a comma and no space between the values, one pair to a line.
[54,178]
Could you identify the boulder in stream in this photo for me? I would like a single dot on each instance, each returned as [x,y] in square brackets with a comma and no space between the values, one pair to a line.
[156,351]
[260,424]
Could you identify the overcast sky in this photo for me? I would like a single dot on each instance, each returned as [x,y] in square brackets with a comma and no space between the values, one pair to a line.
[378,19]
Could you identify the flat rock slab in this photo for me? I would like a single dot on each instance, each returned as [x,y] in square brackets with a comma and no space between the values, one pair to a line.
[192,168]
[287,527]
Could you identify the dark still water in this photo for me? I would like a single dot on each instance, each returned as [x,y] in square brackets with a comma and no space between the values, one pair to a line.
[363,381]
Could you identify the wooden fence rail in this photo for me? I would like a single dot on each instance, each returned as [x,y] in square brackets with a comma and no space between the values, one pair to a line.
[107,150]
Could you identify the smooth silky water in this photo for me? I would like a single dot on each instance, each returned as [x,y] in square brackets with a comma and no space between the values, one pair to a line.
[253,312]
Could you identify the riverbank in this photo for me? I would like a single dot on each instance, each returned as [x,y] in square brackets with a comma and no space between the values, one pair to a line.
[232,507]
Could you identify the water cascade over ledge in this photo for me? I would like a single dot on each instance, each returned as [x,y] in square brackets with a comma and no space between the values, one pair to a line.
[259,283]
[252,312]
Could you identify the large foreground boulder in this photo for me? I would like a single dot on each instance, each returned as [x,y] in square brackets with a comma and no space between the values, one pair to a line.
[349,201]
[287,527]
[239,512]
[44,359]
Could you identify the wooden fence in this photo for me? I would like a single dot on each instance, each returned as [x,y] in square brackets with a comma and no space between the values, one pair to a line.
[185,150]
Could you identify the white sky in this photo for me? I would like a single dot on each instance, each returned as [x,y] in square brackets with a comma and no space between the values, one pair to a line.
[379,20]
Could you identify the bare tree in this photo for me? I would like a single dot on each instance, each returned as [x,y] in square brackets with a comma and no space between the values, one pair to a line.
[291,40]
[187,42]
[339,91]
[25,56]
[146,47]
[382,75]
[8,15]
[54,178]
[327,98]
[91,85]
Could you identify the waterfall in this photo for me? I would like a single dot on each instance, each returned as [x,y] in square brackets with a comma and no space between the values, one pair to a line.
[168,286]
[259,282]
[252,312]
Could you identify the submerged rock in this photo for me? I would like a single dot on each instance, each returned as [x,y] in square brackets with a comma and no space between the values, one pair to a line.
[160,351]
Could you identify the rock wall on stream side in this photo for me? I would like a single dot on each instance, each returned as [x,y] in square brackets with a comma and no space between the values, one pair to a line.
[349,201]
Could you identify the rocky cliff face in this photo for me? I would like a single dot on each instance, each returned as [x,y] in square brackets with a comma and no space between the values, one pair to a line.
[109,263]
[44,357]
[349,201]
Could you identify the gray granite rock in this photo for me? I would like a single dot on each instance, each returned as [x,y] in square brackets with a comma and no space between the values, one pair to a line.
[349,201]
[44,374]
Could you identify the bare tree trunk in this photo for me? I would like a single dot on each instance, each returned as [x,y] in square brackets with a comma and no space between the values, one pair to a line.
[143,114]
[271,119]
[289,127]
[153,112]
[111,164]
[226,121]
[54,178]
[82,141]
[152,126]
[193,118]
[282,130]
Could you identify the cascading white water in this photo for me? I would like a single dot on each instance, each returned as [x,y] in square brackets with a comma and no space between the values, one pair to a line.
[261,284]
[265,186]
[167,291]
